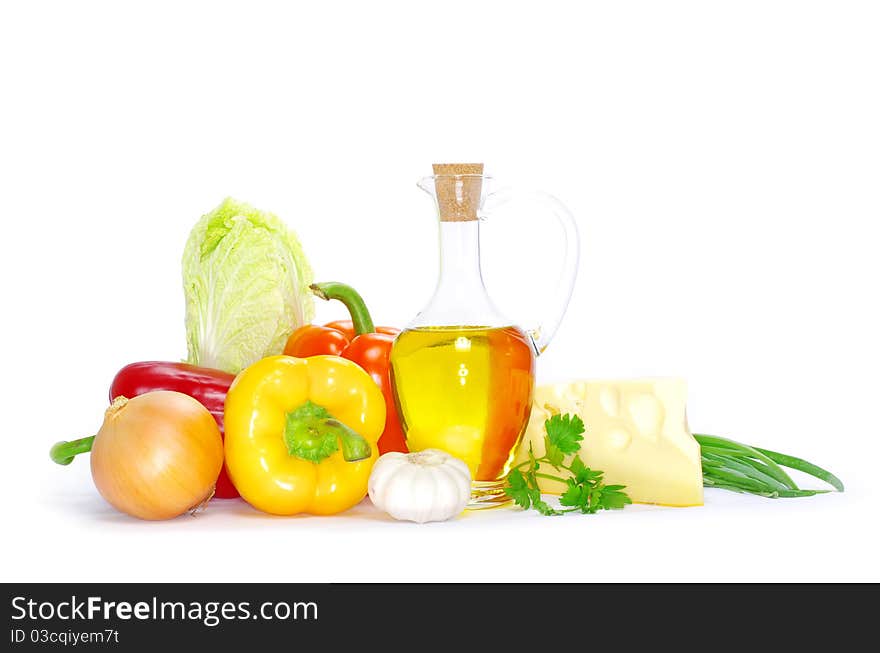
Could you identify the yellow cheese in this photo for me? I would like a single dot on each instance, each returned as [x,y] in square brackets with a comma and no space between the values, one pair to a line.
[636,432]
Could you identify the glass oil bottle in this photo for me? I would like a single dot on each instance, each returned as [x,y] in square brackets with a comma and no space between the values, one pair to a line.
[463,375]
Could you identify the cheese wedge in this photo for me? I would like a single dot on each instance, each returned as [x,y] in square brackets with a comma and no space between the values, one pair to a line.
[636,432]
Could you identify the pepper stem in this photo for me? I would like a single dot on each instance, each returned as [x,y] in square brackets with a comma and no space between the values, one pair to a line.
[357,308]
[354,445]
[313,434]
[64,452]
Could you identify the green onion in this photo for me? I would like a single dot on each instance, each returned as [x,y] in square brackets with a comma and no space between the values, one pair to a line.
[725,447]
[743,467]
[737,467]
[804,466]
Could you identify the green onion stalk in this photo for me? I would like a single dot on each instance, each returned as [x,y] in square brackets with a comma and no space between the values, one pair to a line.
[729,465]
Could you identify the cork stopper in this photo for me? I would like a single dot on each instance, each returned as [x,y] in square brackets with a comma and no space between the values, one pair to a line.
[458,190]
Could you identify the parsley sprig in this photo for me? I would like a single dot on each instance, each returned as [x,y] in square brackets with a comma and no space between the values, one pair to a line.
[585,489]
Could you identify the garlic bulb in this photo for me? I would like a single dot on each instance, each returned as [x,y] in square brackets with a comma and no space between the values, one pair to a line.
[428,485]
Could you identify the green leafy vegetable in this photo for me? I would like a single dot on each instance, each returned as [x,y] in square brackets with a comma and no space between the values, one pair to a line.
[564,435]
[246,284]
[585,490]
[565,432]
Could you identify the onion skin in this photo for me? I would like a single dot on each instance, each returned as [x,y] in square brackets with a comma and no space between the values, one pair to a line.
[157,455]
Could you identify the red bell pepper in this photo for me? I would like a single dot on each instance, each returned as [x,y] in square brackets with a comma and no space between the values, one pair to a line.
[205,385]
[357,340]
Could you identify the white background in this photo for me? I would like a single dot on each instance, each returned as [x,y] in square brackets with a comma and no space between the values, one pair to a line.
[722,161]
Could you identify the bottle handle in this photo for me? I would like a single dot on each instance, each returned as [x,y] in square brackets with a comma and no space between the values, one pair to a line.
[543,333]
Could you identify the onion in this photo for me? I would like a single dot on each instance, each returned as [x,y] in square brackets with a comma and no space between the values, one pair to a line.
[157,455]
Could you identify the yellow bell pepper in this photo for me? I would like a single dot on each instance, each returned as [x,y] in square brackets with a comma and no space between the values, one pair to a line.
[301,434]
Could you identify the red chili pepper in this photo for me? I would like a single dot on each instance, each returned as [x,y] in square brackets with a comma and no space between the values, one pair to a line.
[359,341]
[201,383]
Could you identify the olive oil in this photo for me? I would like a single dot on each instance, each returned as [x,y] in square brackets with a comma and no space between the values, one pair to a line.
[466,390]
[462,378]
